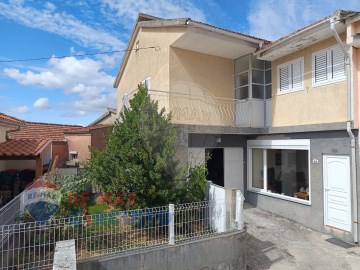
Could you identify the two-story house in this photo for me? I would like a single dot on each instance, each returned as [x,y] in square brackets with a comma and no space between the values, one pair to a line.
[279,119]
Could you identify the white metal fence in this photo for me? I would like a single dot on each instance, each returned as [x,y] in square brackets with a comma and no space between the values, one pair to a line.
[32,245]
[9,211]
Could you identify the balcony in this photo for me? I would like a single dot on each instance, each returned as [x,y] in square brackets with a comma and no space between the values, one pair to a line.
[205,109]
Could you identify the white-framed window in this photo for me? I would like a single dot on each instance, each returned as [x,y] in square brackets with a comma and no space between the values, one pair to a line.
[290,76]
[328,66]
[73,155]
[252,78]
[280,168]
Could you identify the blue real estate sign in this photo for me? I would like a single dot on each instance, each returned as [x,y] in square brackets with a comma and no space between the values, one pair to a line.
[41,200]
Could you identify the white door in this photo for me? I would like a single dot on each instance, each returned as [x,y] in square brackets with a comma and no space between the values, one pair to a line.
[337,206]
[234,168]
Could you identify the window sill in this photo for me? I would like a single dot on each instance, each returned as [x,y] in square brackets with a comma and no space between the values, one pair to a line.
[279,93]
[328,82]
[282,197]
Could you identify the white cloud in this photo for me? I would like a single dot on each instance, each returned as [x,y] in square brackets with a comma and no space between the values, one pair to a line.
[42,103]
[74,114]
[21,109]
[273,19]
[127,10]
[60,23]
[82,77]
[65,74]
[50,6]
[98,103]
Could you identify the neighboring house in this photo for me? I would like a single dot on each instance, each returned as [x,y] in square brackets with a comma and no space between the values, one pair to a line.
[21,160]
[279,119]
[7,123]
[80,139]
[70,143]
[48,131]
[107,118]
[28,154]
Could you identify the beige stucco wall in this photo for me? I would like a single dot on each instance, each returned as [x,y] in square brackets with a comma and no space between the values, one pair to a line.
[356,79]
[357,85]
[313,105]
[110,120]
[79,143]
[352,29]
[208,80]
[184,72]
[150,62]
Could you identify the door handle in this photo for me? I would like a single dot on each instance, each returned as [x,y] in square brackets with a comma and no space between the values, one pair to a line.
[327,189]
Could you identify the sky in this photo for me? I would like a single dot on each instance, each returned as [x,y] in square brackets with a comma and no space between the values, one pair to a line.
[78,89]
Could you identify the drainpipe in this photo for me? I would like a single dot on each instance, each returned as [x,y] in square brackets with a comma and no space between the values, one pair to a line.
[349,131]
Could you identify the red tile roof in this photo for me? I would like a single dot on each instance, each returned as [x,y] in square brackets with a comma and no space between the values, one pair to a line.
[34,130]
[10,119]
[22,148]
[81,130]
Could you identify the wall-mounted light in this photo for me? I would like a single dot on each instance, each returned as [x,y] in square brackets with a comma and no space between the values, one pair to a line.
[218,139]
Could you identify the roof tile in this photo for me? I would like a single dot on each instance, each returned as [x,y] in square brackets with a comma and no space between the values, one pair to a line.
[78,130]
[22,148]
[11,119]
[34,130]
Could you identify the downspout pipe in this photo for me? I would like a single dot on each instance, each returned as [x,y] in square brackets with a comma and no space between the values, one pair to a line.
[349,131]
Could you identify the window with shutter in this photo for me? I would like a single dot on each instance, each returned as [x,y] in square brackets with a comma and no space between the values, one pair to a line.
[320,69]
[284,78]
[297,75]
[328,66]
[291,76]
[337,63]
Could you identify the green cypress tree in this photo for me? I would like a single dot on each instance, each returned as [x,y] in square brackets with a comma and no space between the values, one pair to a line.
[139,156]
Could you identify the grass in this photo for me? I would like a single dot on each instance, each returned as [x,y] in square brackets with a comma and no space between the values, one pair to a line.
[98,208]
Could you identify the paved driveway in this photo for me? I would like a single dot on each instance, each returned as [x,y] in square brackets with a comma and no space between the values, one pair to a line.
[278,243]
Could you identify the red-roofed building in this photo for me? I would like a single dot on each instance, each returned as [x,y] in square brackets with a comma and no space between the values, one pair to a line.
[69,142]
[79,140]
[27,149]
[34,154]
[22,161]
[35,130]
[53,132]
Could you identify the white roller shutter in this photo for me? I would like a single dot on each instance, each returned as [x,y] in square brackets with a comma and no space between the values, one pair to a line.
[328,66]
[291,76]
[320,67]
[284,78]
[297,74]
[337,63]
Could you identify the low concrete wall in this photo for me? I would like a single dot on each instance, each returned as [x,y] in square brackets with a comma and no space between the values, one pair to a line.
[215,253]
[65,255]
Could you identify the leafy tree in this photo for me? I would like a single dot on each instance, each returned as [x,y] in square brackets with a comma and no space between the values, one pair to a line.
[139,157]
